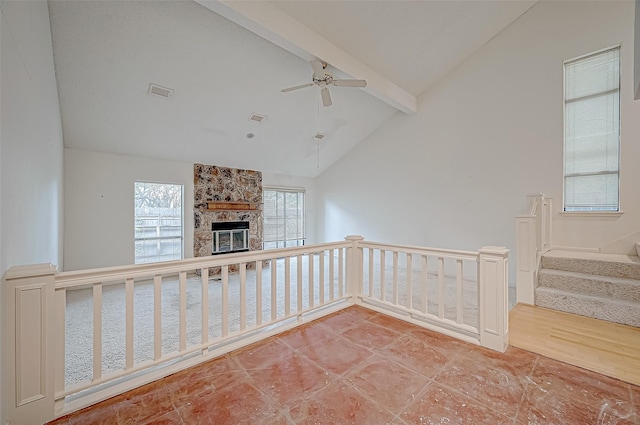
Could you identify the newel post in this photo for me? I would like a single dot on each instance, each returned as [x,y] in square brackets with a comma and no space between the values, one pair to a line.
[533,237]
[526,258]
[493,298]
[354,267]
[28,369]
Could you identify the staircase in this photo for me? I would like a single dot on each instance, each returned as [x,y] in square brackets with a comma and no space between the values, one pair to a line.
[602,286]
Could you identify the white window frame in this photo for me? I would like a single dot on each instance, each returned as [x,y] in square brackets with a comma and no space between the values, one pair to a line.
[594,209]
[285,241]
[158,238]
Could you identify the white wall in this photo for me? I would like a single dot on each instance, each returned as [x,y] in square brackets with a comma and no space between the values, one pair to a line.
[99,203]
[637,52]
[31,138]
[30,141]
[456,174]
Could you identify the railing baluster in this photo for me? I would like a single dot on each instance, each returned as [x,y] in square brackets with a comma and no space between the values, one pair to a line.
[258,293]
[382,267]
[321,276]
[243,296]
[129,323]
[331,275]
[60,337]
[340,272]
[97,331]
[157,317]
[204,277]
[424,273]
[409,284]
[312,259]
[183,311]
[274,289]
[287,286]
[225,300]
[395,277]
[459,306]
[478,293]
[441,287]
[299,284]
[371,277]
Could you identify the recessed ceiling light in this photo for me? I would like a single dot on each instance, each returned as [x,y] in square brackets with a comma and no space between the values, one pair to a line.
[257,118]
[250,135]
[159,90]
[319,136]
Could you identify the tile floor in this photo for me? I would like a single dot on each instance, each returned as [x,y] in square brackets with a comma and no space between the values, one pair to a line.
[360,367]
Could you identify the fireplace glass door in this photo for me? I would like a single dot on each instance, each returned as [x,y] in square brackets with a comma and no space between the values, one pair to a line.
[230,237]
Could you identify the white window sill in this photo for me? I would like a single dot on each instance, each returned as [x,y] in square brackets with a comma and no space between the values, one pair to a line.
[592,213]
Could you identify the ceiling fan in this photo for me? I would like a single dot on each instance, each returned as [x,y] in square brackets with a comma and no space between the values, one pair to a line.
[323,78]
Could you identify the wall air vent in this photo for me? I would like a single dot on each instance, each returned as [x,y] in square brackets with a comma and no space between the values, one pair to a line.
[257,118]
[160,91]
[319,136]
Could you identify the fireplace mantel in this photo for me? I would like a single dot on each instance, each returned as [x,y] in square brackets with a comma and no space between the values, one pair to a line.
[231,206]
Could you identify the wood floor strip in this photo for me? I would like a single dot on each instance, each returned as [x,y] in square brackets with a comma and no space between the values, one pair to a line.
[604,347]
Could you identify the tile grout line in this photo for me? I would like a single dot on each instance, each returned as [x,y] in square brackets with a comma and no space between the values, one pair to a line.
[414,398]
[526,387]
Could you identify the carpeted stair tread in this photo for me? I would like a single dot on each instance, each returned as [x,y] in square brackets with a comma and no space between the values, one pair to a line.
[618,311]
[589,284]
[614,265]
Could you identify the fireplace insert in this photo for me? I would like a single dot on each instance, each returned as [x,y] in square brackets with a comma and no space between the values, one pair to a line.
[230,236]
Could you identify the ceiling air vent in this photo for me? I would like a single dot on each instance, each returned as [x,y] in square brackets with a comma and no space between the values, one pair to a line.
[257,118]
[319,136]
[160,91]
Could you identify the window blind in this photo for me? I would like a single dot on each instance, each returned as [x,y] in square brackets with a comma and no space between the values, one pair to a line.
[592,132]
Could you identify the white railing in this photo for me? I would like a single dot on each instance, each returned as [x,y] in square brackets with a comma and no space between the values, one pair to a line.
[75,338]
[459,293]
[533,238]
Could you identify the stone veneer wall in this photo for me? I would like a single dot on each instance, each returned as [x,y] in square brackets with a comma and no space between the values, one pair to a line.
[213,183]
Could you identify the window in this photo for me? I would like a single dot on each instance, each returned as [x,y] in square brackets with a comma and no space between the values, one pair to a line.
[283,218]
[592,132]
[158,222]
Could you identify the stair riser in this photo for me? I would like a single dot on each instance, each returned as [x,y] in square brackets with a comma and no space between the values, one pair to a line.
[625,314]
[619,290]
[595,267]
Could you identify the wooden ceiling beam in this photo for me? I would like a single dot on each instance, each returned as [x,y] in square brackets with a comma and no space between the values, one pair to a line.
[276,26]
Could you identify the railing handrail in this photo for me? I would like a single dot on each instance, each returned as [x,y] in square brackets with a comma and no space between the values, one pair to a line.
[75,278]
[535,199]
[452,253]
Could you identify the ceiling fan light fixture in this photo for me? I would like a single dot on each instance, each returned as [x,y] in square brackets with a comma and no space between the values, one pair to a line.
[323,78]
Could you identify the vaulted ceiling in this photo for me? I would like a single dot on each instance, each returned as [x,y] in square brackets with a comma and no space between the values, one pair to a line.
[227,59]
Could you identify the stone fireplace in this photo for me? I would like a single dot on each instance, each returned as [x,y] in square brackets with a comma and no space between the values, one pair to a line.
[223,196]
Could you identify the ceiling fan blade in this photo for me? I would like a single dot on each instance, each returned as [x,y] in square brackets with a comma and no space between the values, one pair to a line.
[326,97]
[350,83]
[318,67]
[302,86]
